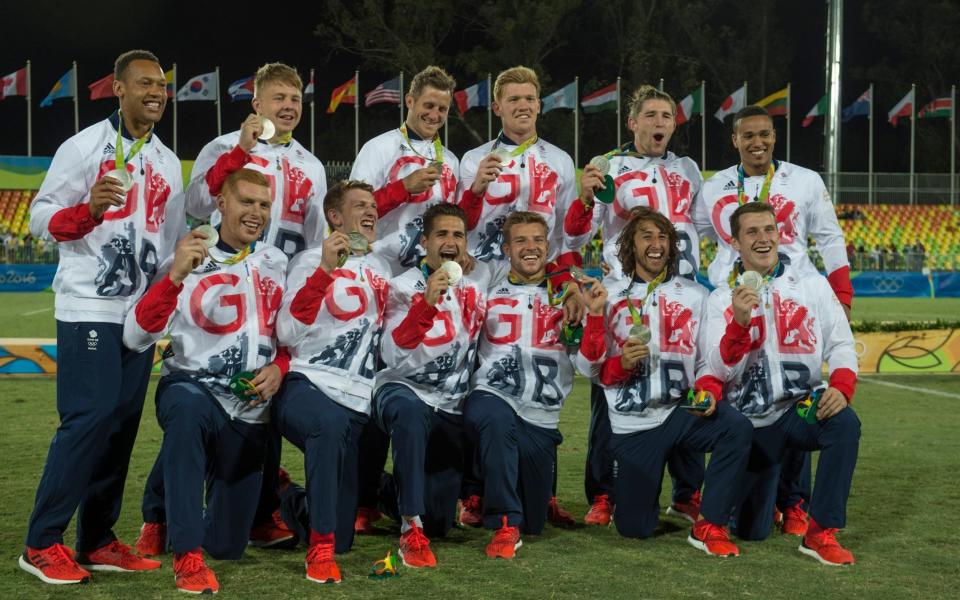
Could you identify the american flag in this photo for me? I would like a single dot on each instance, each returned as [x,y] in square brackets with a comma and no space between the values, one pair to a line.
[387,92]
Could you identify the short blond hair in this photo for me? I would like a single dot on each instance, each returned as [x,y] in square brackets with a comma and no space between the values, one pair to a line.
[648,92]
[522,217]
[338,191]
[276,72]
[434,77]
[248,175]
[518,74]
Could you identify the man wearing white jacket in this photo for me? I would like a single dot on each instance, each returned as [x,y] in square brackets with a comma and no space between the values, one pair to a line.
[111,199]
[220,306]
[770,328]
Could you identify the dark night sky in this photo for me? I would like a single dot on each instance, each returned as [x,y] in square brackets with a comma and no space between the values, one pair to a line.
[198,37]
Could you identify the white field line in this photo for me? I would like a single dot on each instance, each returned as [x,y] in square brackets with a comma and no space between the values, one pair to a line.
[910,388]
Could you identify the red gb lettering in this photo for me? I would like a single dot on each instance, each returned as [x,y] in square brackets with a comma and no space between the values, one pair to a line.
[237,301]
[511,181]
[130,205]
[502,318]
[269,297]
[636,191]
[546,326]
[446,319]
[342,288]
[621,320]
[676,328]
[757,328]
[399,166]
[543,187]
[470,308]
[263,166]
[721,222]
[678,189]
[297,188]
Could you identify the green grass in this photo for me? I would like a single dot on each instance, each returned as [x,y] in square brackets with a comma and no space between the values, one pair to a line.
[902,524]
[905,309]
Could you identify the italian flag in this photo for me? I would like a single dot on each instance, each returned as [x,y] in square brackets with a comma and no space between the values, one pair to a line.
[819,109]
[776,103]
[938,108]
[689,106]
[602,99]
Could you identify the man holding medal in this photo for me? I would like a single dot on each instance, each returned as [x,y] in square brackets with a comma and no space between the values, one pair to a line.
[111,200]
[651,327]
[218,300]
[331,323]
[803,209]
[769,328]
[641,173]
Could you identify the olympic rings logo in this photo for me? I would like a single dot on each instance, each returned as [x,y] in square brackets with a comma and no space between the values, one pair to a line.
[888,285]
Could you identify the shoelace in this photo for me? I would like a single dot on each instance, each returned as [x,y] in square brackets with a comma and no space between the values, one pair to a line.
[505,534]
[715,532]
[58,555]
[601,502]
[320,553]
[189,565]
[417,540]
[795,512]
[827,537]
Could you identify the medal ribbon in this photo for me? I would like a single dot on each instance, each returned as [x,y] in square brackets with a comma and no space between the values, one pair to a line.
[519,149]
[437,146]
[636,315]
[121,160]
[764,191]
[239,256]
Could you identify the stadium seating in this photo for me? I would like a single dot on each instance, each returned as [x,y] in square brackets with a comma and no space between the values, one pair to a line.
[936,227]
[14,211]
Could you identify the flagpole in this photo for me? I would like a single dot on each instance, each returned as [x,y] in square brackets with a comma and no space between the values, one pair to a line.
[313,128]
[661,84]
[619,125]
[913,136]
[576,120]
[489,111]
[219,124]
[401,97]
[832,73]
[870,151]
[953,144]
[746,96]
[76,101]
[30,114]
[174,108]
[788,121]
[703,125]
[356,113]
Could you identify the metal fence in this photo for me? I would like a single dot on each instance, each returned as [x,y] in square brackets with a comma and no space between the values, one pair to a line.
[894,188]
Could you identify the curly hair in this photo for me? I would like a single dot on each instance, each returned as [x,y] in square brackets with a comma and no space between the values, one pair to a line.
[627,250]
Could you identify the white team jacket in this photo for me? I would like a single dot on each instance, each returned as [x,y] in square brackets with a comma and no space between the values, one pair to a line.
[221,322]
[103,272]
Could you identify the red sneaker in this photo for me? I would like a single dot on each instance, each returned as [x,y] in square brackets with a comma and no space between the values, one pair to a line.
[116,556]
[712,539]
[557,515]
[822,544]
[54,564]
[366,517]
[415,549]
[192,575]
[689,510]
[471,512]
[152,540]
[505,543]
[600,511]
[273,534]
[795,520]
[321,567]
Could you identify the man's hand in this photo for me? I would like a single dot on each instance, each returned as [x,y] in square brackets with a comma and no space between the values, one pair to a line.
[487,172]
[467,262]
[250,131]
[336,244]
[594,296]
[437,285]
[831,402]
[265,383]
[744,300]
[421,180]
[591,180]
[188,255]
[709,411]
[573,305]
[633,352]
[104,194]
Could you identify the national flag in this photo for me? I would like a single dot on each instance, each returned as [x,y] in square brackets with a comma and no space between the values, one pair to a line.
[689,106]
[475,95]
[308,91]
[602,99]
[387,92]
[102,88]
[939,108]
[241,89]
[565,97]
[819,109]
[63,88]
[169,76]
[14,84]
[344,94]
[732,103]
[902,109]
[776,103]
[859,108]
[201,87]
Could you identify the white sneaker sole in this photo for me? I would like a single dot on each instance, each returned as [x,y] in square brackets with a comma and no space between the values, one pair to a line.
[206,591]
[322,580]
[810,552]
[671,511]
[701,546]
[406,564]
[26,566]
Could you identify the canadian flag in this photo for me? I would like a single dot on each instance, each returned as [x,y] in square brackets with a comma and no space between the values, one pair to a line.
[14,84]
[732,103]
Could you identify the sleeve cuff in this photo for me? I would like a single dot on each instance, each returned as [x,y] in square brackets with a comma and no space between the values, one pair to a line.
[844,380]
[841,285]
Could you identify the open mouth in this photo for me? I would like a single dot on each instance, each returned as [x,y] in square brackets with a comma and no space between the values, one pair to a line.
[658,137]
[530,258]
[288,118]
[152,105]
[368,224]
[762,249]
[654,254]
[758,153]
[449,254]
[252,227]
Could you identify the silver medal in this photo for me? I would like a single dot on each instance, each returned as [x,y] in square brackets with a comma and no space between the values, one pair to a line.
[123,178]
[640,333]
[453,270]
[602,164]
[269,129]
[751,279]
[212,236]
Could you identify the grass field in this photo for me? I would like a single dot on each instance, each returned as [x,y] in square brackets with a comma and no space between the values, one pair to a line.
[902,515]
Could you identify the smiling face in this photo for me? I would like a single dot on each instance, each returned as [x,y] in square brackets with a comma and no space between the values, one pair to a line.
[280,102]
[245,207]
[757,241]
[652,250]
[652,127]
[447,240]
[142,90]
[358,212]
[754,138]
[518,107]
[527,248]
[428,112]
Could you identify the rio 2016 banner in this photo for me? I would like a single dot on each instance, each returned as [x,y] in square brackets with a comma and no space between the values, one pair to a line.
[26,278]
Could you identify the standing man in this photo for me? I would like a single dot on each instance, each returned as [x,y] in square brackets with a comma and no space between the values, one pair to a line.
[645,380]
[433,320]
[111,200]
[644,174]
[523,376]
[765,347]
[803,209]
[220,307]
[331,322]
